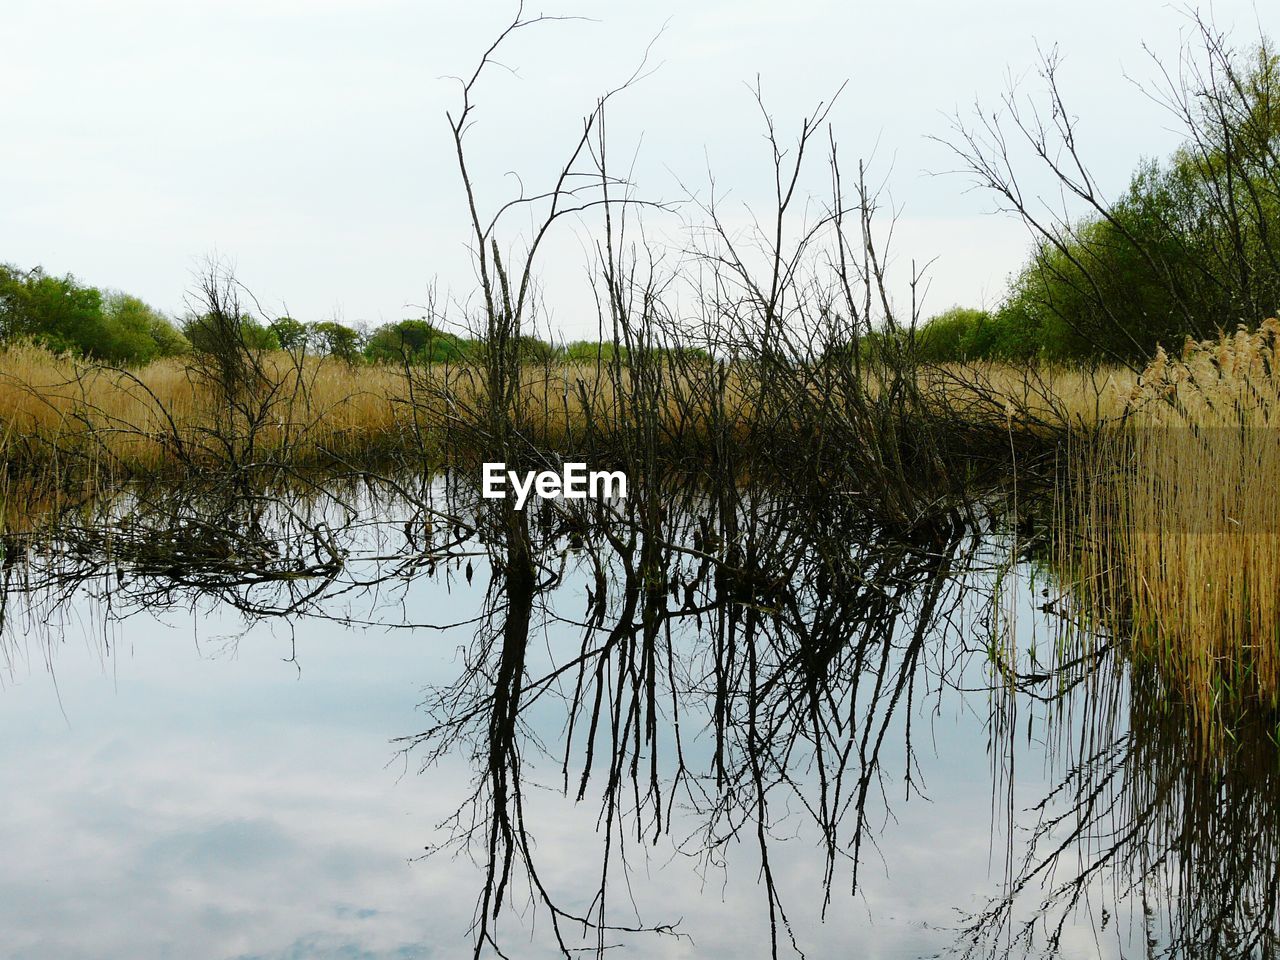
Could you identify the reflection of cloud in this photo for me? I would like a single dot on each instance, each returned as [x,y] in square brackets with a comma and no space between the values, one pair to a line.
[232,845]
[344,911]
[200,809]
[320,948]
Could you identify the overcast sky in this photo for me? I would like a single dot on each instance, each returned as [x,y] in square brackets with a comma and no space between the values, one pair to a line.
[305,140]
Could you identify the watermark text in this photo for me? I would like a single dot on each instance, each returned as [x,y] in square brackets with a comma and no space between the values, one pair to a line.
[573,482]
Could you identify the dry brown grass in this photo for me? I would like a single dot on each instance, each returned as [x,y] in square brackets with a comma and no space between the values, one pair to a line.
[1050,396]
[56,411]
[1181,524]
[59,412]
[65,416]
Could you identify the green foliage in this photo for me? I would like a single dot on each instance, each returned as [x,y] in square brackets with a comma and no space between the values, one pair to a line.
[291,334]
[213,334]
[417,342]
[587,351]
[133,332]
[1124,283]
[64,315]
[336,340]
[533,350]
[1188,250]
[952,335]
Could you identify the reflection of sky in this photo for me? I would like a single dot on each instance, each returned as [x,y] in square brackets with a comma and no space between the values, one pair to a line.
[206,799]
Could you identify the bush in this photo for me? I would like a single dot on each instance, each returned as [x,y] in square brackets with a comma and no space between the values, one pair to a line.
[336,340]
[133,332]
[291,334]
[951,335]
[213,334]
[588,351]
[64,315]
[416,341]
[533,350]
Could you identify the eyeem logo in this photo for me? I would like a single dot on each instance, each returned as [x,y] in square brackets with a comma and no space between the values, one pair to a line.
[575,483]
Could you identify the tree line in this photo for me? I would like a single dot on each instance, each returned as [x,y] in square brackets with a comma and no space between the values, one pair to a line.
[68,317]
[1191,247]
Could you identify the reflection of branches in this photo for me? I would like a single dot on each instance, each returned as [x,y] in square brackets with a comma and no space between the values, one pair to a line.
[796,651]
[279,551]
[1147,824]
[800,657]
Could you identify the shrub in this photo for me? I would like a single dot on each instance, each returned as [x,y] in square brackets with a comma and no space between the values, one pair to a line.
[336,340]
[211,333]
[64,315]
[415,341]
[291,334]
[951,335]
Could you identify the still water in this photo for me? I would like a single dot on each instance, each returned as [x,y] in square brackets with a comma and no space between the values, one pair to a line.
[194,772]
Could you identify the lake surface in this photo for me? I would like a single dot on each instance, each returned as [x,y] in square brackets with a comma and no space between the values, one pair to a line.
[218,771]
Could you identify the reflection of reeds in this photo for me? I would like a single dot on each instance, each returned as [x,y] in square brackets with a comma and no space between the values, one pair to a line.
[1173,848]
[1180,532]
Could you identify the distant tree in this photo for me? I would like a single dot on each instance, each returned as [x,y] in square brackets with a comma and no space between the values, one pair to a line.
[533,350]
[65,315]
[951,335]
[212,333]
[336,340]
[589,351]
[291,334]
[1191,247]
[133,332]
[415,341]
[54,311]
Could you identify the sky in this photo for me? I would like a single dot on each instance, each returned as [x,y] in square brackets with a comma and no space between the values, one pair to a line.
[305,142]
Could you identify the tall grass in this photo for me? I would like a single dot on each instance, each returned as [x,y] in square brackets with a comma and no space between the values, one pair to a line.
[62,415]
[66,415]
[1175,533]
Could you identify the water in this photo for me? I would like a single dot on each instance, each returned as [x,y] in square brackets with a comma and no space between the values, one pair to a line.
[191,774]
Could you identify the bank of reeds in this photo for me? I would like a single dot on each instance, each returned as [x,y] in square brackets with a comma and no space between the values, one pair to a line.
[1173,535]
[71,418]
[64,414]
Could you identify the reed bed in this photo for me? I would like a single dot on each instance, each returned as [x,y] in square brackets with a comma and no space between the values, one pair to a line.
[1175,532]
[64,415]
[59,413]
[1054,397]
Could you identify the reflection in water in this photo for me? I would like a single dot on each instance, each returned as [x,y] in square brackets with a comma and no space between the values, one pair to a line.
[1142,831]
[754,682]
[731,665]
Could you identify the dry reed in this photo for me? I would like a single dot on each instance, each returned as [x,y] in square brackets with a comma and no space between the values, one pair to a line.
[1175,534]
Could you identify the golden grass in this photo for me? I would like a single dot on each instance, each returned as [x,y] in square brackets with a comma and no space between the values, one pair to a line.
[58,411]
[1181,524]
[1047,396]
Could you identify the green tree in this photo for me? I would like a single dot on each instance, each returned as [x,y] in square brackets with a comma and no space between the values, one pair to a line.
[291,334]
[589,351]
[336,340]
[211,334]
[54,311]
[65,315]
[1190,248]
[416,341]
[951,335]
[134,332]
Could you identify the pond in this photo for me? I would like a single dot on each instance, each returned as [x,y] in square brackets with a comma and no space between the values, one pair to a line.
[337,725]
